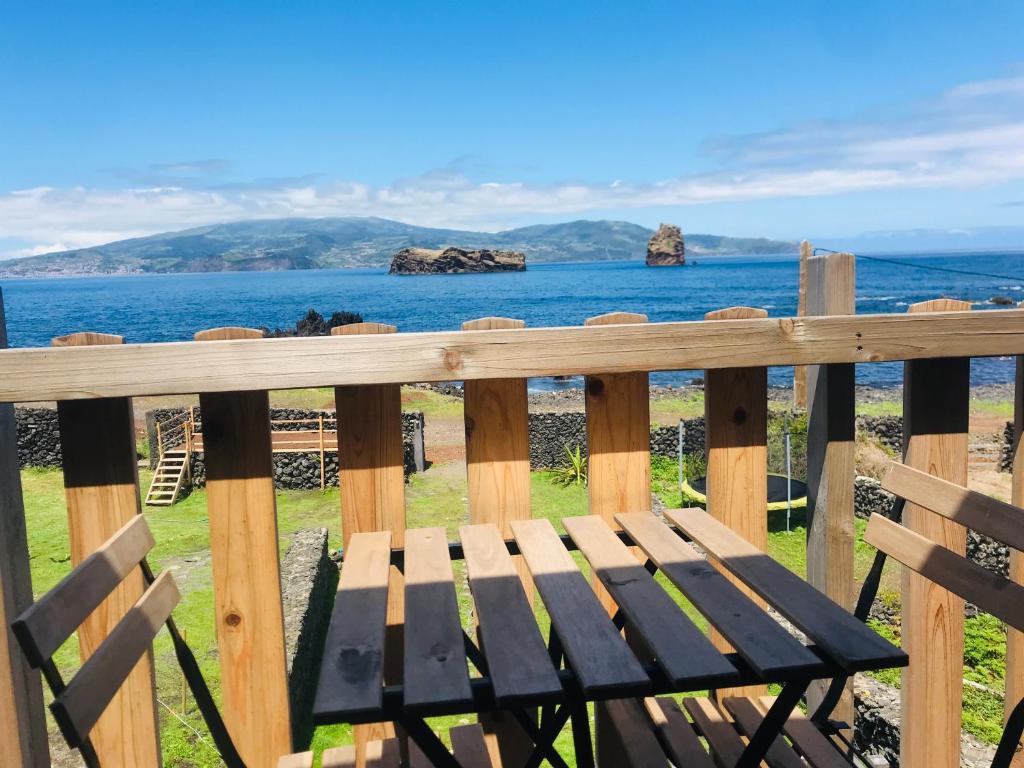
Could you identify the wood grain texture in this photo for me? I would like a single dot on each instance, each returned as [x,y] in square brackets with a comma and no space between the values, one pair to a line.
[992,593]
[849,642]
[469,747]
[22,719]
[678,646]
[296,760]
[799,371]
[56,615]
[1014,637]
[498,480]
[812,743]
[102,493]
[635,745]
[79,706]
[372,489]
[594,648]
[29,375]
[229,333]
[676,734]
[748,717]
[435,670]
[759,639]
[517,657]
[246,571]
[981,513]
[935,425]
[725,743]
[831,449]
[736,439]
[384,753]
[618,441]
[352,667]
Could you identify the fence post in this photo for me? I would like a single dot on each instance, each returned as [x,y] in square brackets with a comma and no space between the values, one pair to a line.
[831,449]
[618,475]
[323,480]
[736,440]
[372,480]
[935,415]
[101,483]
[800,371]
[1015,638]
[246,570]
[498,479]
[22,723]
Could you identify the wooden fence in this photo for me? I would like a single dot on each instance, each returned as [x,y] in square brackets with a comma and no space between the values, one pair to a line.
[93,378]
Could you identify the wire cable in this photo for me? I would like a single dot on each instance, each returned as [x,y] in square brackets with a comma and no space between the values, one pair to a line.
[904,263]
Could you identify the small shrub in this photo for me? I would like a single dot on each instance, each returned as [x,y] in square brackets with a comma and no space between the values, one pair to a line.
[573,470]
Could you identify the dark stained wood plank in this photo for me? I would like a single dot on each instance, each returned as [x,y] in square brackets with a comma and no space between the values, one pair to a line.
[517,658]
[352,670]
[720,733]
[758,638]
[469,747]
[679,647]
[989,591]
[56,615]
[677,735]
[595,649]
[748,717]
[636,745]
[850,643]
[812,743]
[981,513]
[77,709]
[375,754]
[435,666]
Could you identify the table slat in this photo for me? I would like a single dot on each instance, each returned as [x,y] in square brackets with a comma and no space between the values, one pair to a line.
[849,642]
[595,649]
[435,655]
[815,746]
[679,647]
[680,740]
[757,638]
[517,658]
[748,717]
[352,669]
[726,744]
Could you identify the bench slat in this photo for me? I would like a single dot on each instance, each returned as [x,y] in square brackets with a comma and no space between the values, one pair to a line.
[992,593]
[298,760]
[748,717]
[435,667]
[852,645]
[679,647]
[517,658]
[638,744]
[77,709]
[758,638]
[815,746]
[469,746]
[595,649]
[51,620]
[379,754]
[720,733]
[678,736]
[973,510]
[352,669]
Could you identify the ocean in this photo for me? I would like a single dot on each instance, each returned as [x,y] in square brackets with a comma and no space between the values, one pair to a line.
[147,308]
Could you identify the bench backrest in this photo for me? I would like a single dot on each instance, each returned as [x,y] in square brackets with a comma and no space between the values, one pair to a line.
[1004,522]
[51,620]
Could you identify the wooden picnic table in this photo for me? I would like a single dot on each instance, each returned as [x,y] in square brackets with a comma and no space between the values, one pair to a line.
[586,656]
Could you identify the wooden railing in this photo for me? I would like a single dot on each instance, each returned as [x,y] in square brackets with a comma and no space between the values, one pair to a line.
[232,371]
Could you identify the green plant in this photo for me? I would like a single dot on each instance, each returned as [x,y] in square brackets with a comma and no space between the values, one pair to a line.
[574,469]
[694,465]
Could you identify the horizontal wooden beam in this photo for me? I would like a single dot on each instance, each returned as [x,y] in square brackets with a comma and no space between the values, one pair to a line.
[71,373]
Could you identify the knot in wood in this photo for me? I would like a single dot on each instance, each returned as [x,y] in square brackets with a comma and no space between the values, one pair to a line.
[595,387]
[232,619]
[739,415]
[452,359]
[787,325]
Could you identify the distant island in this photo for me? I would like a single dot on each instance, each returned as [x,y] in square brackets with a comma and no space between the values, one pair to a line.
[454,261]
[333,243]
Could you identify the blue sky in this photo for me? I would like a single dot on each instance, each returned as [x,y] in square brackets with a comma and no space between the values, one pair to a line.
[741,118]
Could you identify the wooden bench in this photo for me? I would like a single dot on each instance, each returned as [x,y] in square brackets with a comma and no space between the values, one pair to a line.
[45,625]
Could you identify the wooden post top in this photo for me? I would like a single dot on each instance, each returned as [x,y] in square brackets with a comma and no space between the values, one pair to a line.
[940,305]
[737,313]
[229,333]
[493,324]
[616,318]
[362,329]
[86,339]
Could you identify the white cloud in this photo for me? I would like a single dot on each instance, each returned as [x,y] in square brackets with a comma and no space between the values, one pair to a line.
[971,135]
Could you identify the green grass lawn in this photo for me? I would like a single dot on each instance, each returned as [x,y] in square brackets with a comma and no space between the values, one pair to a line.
[435,498]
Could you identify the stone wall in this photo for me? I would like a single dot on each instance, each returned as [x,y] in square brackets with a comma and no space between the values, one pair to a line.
[38,437]
[308,581]
[1006,449]
[888,430]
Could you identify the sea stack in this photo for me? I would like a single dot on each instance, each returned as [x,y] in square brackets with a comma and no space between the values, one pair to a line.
[451,260]
[665,248]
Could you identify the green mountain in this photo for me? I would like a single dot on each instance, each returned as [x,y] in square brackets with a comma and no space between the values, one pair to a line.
[356,242]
